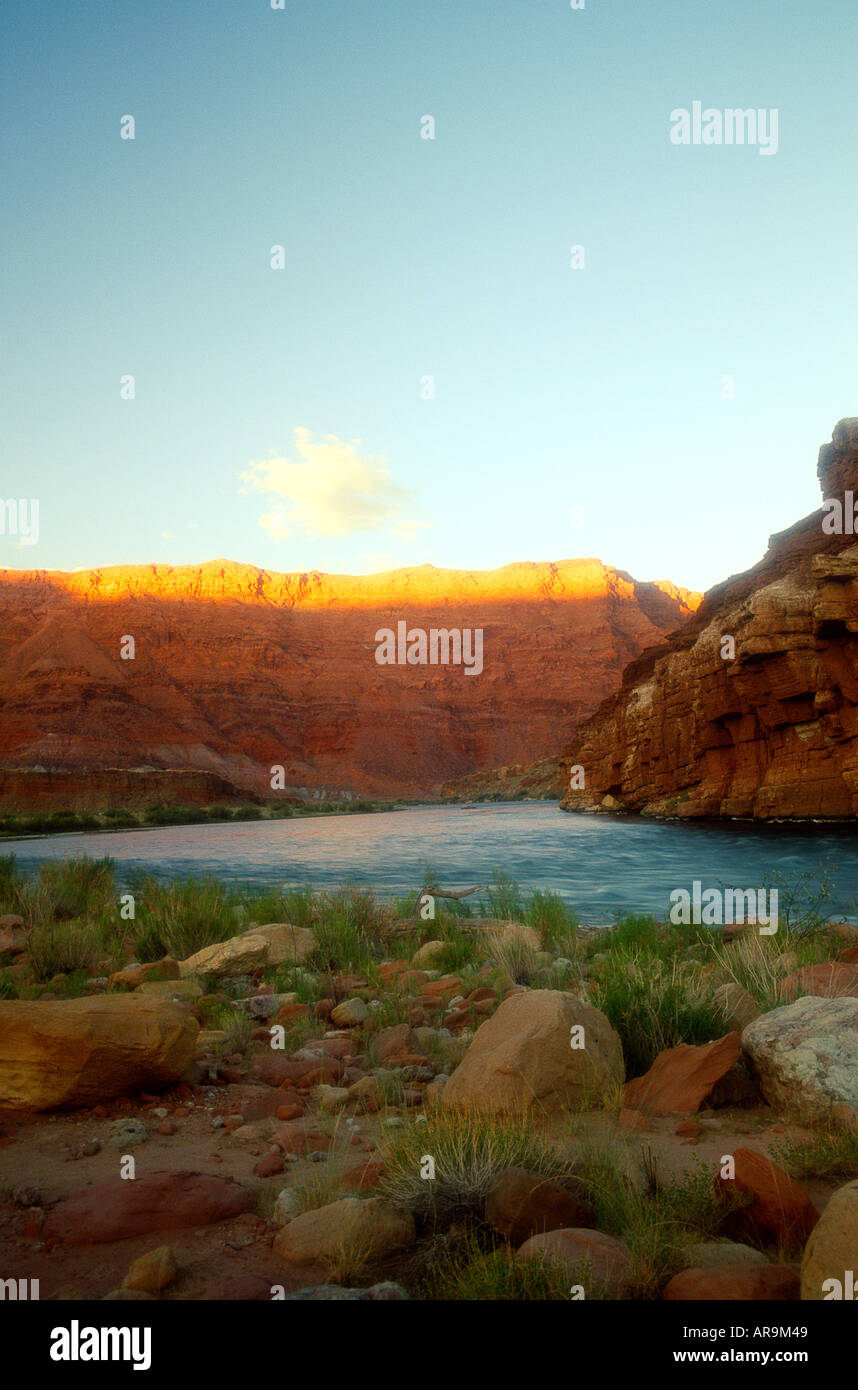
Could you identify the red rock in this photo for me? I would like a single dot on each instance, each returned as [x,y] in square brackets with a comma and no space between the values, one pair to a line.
[417,1018]
[850,955]
[688,1129]
[301,1136]
[458,1019]
[681,1077]
[595,1260]
[450,984]
[165,1127]
[520,1204]
[269,1165]
[483,1007]
[159,1201]
[324,1008]
[830,980]
[393,1042]
[363,1176]
[735,1284]
[781,1210]
[390,969]
[482,994]
[289,1012]
[292,1111]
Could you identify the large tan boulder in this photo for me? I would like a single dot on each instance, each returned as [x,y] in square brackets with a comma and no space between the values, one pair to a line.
[287,945]
[61,1053]
[241,955]
[522,1058]
[353,1228]
[831,1252]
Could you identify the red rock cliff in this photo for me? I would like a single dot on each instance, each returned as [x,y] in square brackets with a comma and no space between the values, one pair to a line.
[237,670]
[770,734]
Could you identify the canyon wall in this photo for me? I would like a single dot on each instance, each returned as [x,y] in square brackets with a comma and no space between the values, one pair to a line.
[772,733]
[236,670]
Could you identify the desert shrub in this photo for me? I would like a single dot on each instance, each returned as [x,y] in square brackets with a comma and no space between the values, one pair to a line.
[552,919]
[179,919]
[504,898]
[653,1005]
[77,887]
[469,1152]
[471,1274]
[512,955]
[828,1153]
[235,1023]
[60,948]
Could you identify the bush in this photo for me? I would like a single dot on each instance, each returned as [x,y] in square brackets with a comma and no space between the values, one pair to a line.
[178,919]
[653,1006]
[469,1152]
[61,948]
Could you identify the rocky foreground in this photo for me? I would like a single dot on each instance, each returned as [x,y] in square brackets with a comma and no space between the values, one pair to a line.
[751,708]
[506,1129]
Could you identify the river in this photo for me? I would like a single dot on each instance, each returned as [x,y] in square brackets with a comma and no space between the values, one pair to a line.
[600,865]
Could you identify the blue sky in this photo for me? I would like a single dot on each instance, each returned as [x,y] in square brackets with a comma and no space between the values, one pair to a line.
[576,412]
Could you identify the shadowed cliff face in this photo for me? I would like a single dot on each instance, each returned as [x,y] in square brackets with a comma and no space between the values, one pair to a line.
[772,733]
[237,670]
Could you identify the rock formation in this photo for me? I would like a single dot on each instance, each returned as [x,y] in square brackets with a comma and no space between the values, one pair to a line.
[236,670]
[770,733]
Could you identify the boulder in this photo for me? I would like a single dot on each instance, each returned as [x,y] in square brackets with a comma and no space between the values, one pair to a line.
[715,1254]
[831,1252]
[131,976]
[520,1204]
[71,1052]
[13,933]
[805,1055]
[398,1041]
[350,1013]
[152,1272]
[598,1262]
[781,1210]
[241,955]
[681,1077]
[287,945]
[159,1201]
[522,1058]
[829,979]
[369,1228]
[740,1283]
[428,953]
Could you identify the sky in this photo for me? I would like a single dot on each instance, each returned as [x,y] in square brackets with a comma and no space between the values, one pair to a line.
[656,400]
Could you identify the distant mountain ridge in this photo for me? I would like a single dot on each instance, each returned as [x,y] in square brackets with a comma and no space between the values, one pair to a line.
[236,670]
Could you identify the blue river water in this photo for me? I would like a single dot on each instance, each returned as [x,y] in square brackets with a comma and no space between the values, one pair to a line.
[601,866]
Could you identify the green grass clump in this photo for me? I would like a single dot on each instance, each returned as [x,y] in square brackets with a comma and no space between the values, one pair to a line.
[178,919]
[472,1274]
[830,1153]
[235,1023]
[469,1152]
[61,948]
[653,1005]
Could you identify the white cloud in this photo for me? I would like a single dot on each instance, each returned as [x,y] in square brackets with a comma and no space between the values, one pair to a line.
[328,490]
[407,530]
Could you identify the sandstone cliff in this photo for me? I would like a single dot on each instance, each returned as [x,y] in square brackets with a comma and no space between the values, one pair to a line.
[236,670]
[769,734]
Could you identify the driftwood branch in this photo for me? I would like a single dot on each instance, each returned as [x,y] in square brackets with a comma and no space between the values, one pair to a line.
[446,893]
